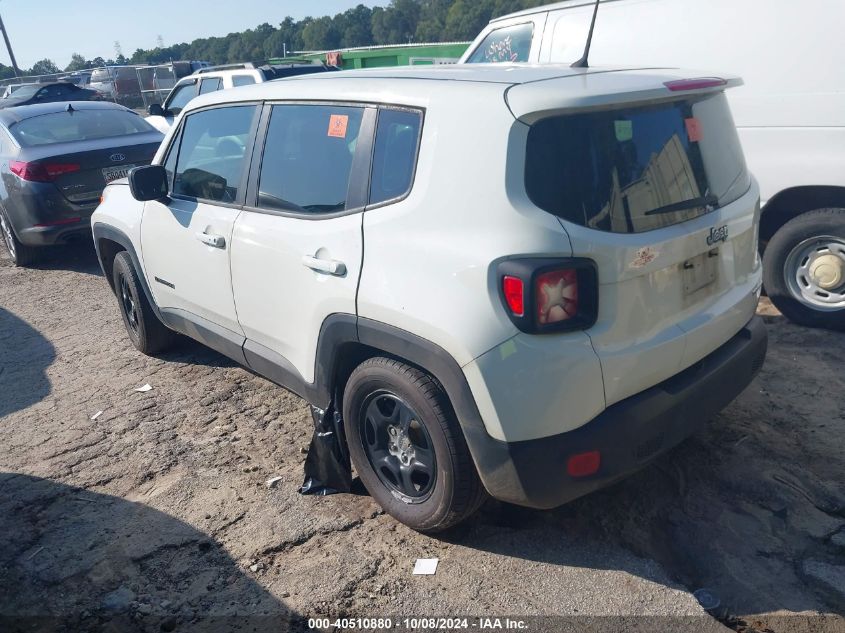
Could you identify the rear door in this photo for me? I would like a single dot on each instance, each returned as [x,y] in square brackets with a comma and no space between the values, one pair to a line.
[659,197]
[298,246]
[186,241]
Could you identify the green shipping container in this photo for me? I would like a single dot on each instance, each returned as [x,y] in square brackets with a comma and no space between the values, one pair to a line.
[386,56]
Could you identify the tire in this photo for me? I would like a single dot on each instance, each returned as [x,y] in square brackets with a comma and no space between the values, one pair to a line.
[803,294]
[149,335]
[22,254]
[453,492]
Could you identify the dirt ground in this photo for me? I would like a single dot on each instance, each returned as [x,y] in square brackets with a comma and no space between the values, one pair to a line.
[156,513]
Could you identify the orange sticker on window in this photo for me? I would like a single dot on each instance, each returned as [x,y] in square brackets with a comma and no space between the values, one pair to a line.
[337,125]
[693,129]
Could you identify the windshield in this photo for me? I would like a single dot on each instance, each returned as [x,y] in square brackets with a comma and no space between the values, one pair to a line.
[25,92]
[636,169]
[508,44]
[79,125]
[101,75]
[179,97]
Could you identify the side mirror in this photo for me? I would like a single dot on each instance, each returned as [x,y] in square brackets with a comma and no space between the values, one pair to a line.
[148,183]
[155,109]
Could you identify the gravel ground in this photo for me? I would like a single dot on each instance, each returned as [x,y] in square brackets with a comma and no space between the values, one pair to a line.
[157,511]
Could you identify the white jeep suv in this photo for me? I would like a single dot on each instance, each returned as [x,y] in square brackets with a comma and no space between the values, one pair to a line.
[524,280]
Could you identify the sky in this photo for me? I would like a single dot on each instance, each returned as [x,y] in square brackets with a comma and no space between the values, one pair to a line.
[55,29]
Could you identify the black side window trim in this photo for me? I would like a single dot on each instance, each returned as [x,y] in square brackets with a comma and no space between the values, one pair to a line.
[176,144]
[359,175]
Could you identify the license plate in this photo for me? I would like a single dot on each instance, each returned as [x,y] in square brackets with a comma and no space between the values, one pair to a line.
[116,173]
[701,271]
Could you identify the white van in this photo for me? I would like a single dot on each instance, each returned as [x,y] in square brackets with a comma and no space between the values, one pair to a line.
[790,112]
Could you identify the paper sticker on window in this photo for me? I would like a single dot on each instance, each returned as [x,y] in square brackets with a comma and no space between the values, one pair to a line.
[337,125]
[624,130]
[693,129]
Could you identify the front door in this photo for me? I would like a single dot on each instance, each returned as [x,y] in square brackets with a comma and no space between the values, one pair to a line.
[186,241]
[298,248]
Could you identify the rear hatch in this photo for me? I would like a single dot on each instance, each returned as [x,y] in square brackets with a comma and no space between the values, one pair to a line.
[655,190]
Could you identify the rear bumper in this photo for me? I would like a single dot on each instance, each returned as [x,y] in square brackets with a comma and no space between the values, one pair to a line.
[41,216]
[628,434]
[55,235]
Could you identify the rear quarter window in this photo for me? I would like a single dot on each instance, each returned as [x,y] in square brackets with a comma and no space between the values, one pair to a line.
[395,154]
[636,169]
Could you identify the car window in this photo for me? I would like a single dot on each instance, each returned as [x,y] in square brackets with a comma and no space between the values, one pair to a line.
[180,97]
[211,84]
[636,168]
[79,125]
[101,75]
[308,157]
[242,80]
[395,154]
[508,44]
[212,154]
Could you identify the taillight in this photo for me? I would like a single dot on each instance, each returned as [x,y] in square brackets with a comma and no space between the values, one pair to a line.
[550,295]
[557,296]
[514,291]
[41,172]
[679,85]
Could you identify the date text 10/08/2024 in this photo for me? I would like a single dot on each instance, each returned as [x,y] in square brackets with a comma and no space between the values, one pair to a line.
[416,624]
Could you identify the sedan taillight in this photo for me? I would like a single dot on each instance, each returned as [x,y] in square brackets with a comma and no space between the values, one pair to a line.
[550,295]
[35,171]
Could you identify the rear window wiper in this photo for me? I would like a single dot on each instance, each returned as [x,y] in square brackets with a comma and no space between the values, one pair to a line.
[704,201]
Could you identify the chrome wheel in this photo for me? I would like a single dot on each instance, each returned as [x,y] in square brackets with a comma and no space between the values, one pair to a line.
[398,447]
[8,238]
[815,273]
[129,304]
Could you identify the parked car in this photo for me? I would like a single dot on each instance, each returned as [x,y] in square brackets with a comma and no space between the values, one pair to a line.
[216,78]
[48,93]
[118,83]
[559,281]
[9,90]
[790,114]
[55,160]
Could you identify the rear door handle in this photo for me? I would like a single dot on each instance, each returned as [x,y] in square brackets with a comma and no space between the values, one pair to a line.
[217,241]
[328,266]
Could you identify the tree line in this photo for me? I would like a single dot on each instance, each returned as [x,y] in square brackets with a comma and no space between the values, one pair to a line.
[401,22]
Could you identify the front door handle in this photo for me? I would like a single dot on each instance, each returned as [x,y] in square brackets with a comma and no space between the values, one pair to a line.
[217,241]
[328,266]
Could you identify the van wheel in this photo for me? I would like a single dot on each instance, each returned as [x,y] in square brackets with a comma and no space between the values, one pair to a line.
[407,447]
[147,333]
[804,269]
[22,255]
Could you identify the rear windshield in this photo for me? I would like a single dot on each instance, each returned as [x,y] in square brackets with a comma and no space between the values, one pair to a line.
[636,169]
[81,125]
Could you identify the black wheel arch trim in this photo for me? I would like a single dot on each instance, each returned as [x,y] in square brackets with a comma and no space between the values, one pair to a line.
[105,232]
